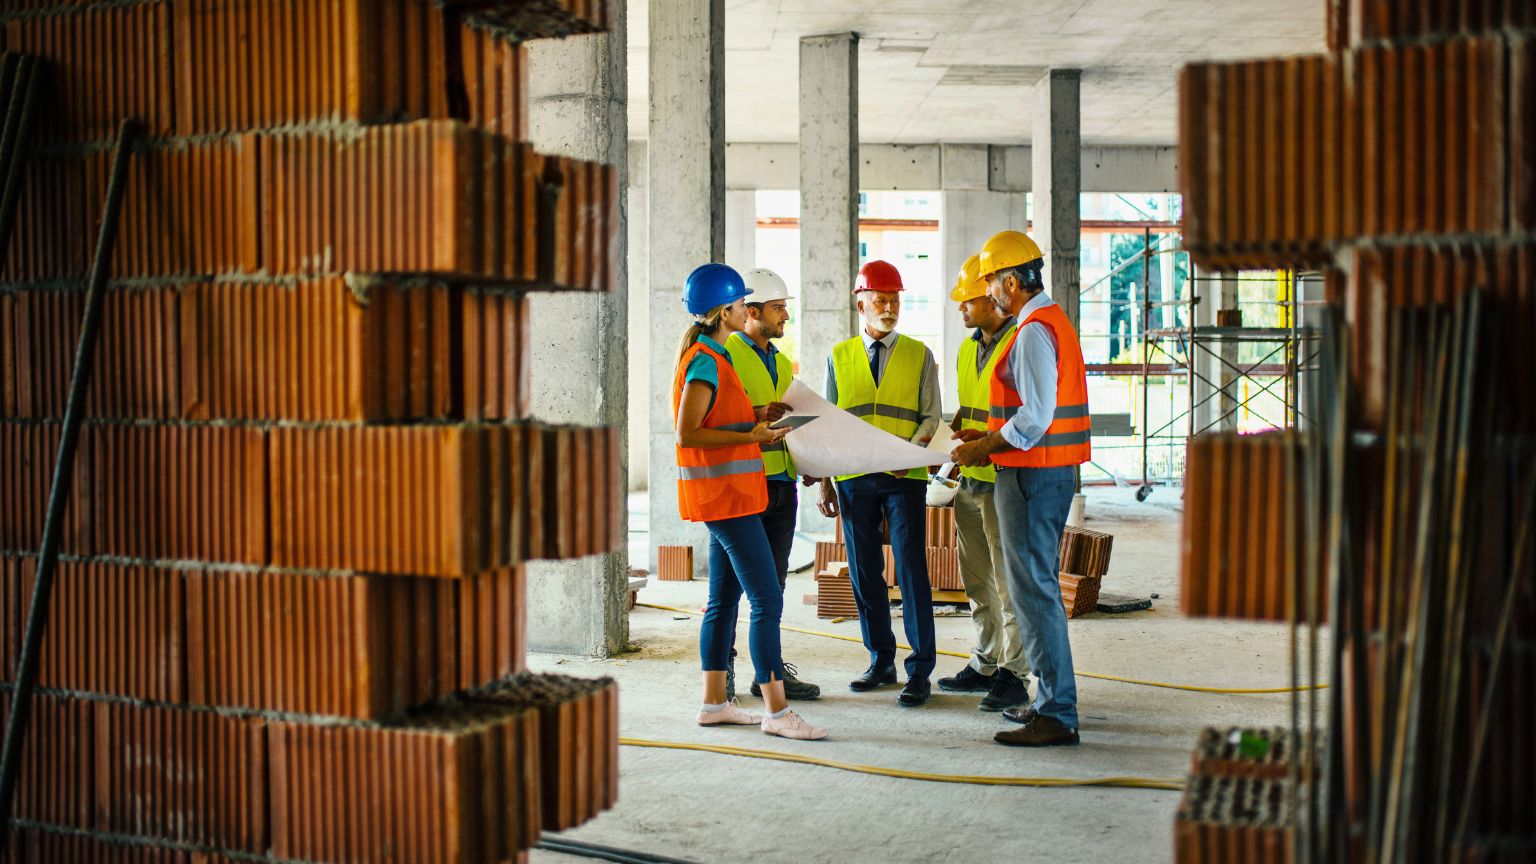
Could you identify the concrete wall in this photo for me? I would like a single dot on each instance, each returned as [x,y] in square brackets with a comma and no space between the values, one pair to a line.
[577,108]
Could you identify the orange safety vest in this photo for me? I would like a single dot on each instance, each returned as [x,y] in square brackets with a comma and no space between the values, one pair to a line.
[1066,440]
[719,482]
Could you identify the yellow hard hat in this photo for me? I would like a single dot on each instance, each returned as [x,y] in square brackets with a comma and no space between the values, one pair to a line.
[1007,249]
[969,285]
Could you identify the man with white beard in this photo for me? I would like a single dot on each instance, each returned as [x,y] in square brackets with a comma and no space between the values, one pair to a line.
[892,382]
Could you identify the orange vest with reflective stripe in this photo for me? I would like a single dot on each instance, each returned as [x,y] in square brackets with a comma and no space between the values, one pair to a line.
[1065,441]
[719,482]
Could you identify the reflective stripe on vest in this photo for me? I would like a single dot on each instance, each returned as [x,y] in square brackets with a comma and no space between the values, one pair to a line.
[1067,440]
[724,469]
[892,406]
[976,393]
[761,389]
[719,482]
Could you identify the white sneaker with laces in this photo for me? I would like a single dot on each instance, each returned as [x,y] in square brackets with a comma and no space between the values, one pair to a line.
[730,715]
[792,725]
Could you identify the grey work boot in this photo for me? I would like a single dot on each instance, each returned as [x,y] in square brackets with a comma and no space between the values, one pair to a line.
[795,690]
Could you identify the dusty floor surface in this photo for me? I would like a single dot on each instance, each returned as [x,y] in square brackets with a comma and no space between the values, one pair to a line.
[705,807]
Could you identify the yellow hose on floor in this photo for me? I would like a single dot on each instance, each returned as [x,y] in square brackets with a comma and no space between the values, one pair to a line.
[1172,785]
[1193,688]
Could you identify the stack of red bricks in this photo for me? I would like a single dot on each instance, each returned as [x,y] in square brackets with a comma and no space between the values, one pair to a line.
[290,618]
[1402,162]
[1237,805]
[941,546]
[1084,559]
[1242,505]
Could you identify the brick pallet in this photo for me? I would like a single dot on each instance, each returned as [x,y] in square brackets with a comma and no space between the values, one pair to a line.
[289,618]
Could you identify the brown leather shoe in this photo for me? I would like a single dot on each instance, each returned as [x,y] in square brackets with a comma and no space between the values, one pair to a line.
[1019,714]
[1040,731]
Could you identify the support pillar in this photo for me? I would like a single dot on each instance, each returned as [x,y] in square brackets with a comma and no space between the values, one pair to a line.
[576,108]
[686,199]
[1057,156]
[967,219]
[741,229]
[829,211]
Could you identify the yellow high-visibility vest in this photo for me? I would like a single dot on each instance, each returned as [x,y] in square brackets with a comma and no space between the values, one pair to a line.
[761,390]
[892,406]
[976,394]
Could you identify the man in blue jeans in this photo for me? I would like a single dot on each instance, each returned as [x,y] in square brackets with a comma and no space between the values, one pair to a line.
[892,382]
[766,374]
[1038,433]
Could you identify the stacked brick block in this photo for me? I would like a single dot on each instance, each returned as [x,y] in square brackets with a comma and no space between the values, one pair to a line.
[289,620]
[1242,508]
[1402,163]
[1084,559]
[1239,802]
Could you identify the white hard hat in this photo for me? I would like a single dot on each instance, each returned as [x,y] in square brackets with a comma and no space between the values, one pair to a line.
[765,285]
[941,491]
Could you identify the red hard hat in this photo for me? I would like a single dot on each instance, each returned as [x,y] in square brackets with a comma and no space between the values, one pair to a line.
[878,276]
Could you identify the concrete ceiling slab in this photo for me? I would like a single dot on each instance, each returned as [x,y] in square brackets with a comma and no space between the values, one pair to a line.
[951,71]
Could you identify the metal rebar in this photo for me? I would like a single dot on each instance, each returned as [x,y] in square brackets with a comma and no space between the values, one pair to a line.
[63,468]
[28,82]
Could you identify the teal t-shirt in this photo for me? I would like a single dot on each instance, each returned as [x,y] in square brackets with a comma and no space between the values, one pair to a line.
[702,368]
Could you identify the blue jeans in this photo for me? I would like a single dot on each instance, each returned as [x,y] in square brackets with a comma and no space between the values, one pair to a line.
[865,502]
[779,524]
[740,560]
[1032,506]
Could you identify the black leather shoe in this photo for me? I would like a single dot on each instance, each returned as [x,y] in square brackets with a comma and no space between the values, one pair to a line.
[876,676]
[1020,714]
[1007,691]
[968,680]
[915,693]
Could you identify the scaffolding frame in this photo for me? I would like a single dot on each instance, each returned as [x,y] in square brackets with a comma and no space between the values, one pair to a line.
[1292,354]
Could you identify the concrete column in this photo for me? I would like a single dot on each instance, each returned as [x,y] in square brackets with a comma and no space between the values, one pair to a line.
[829,209]
[741,229]
[638,269]
[1227,407]
[685,195]
[1057,154]
[576,108]
[968,218]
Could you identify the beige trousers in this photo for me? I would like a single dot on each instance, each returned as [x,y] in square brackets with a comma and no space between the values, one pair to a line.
[981,569]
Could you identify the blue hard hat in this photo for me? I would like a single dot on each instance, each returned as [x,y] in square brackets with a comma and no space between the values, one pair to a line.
[711,285]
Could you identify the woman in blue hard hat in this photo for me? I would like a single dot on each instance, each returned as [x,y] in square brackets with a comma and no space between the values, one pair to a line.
[720,482]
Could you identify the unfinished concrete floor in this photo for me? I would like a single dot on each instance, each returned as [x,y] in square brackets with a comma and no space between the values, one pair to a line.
[712,808]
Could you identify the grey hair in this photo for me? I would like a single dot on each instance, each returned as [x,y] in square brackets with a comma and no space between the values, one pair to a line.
[1027,274]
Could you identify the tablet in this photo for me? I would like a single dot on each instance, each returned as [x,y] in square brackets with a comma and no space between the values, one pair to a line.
[792,421]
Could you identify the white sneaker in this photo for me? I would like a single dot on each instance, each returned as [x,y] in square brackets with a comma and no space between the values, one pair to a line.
[792,725]
[730,715]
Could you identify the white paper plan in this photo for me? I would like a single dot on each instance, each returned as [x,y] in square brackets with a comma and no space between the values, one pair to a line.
[839,443]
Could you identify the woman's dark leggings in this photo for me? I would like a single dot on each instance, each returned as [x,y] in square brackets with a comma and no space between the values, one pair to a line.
[740,560]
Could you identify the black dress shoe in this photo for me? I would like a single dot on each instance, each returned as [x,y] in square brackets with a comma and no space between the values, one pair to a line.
[915,693]
[968,680]
[876,676]
[1007,691]
[1020,714]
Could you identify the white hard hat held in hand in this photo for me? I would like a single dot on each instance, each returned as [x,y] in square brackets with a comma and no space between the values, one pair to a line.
[941,490]
[765,285]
